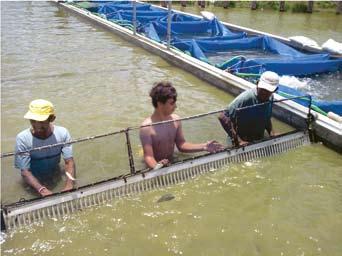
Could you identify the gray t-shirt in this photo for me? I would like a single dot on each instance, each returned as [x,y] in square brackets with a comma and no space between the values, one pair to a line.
[42,162]
[251,122]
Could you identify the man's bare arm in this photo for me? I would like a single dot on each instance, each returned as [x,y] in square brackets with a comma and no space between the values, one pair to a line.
[225,123]
[69,168]
[34,183]
[146,142]
[228,126]
[188,147]
[269,129]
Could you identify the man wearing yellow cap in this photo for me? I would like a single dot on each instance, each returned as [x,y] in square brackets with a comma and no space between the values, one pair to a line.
[39,166]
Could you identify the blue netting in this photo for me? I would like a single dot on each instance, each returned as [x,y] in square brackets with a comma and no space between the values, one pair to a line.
[208,39]
[287,62]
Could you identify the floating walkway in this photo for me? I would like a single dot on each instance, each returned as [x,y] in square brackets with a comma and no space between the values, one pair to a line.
[146,26]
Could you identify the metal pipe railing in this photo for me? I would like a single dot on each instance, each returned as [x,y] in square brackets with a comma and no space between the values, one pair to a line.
[109,134]
[127,130]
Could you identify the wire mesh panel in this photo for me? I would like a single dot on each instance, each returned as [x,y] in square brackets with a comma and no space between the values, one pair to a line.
[137,149]
[201,130]
[101,159]
[198,130]
[58,205]
[12,186]
[95,160]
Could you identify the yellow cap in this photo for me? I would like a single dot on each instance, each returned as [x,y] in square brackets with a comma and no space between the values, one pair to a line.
[40,110]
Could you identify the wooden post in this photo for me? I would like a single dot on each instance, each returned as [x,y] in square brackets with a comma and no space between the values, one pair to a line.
[282,6]
[310,7]
[134,21]
[253,5]
[183,3]
[225,4]
[168,33]
[163,3]
[201,3]
[339,7]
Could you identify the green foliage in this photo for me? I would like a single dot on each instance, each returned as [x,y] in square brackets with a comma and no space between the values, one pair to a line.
[274,5]
[231,4]
[245,4]
[299,7]
[294,6]
[325,4]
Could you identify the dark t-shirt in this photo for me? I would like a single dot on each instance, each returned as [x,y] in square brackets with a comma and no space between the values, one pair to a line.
[250,123]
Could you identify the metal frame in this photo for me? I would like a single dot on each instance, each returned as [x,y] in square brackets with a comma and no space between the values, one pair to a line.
[58,205]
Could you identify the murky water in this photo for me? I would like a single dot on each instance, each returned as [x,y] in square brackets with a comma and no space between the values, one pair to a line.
[284,205]
[319,26]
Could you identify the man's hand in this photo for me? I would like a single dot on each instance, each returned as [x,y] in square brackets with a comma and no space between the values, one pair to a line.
[161,163]
[43,191]
[68,186]
[213,146]
[34,183]
[272,133]
[69,172]
[242,143]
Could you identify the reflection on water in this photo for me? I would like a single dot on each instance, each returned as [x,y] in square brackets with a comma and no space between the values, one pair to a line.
[288,204]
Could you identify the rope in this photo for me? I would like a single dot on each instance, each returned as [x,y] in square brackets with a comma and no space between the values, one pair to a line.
[240,57]
[235,69]
[230,68]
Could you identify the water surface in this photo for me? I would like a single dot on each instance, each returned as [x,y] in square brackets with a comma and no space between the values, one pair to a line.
[284,205]
[319,26]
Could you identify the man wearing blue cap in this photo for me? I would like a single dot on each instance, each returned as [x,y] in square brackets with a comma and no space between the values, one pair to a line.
[249,115]
[40,166]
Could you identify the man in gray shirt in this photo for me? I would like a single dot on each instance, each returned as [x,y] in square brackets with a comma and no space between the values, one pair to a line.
[249,115]
[38,166]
